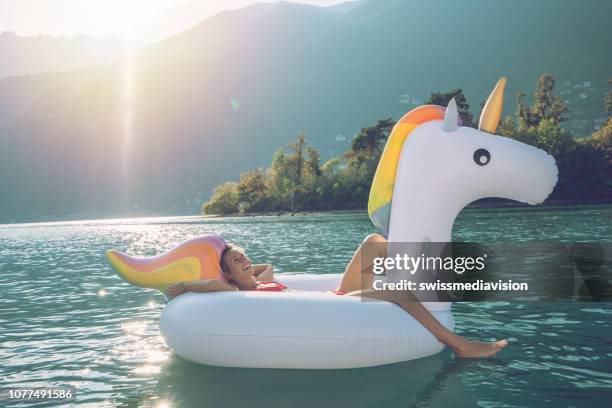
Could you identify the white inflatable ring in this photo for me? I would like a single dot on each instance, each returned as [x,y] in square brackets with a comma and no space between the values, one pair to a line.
[310,329]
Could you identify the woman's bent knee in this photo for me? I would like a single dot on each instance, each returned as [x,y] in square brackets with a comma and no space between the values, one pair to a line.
[375,245]
[374,238]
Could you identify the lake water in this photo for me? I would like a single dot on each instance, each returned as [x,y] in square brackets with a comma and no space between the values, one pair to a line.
[67,320]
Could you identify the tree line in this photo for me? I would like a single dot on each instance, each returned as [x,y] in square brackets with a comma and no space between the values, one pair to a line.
[297,180]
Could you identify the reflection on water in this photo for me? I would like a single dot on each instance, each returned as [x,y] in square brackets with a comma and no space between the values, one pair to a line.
[406,384]
[67,320]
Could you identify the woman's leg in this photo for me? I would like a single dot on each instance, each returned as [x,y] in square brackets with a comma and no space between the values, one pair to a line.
[358,274]
[460,345]
[357,281]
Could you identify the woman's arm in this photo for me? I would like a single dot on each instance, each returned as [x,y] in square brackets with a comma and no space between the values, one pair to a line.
[204,285]
[264,273]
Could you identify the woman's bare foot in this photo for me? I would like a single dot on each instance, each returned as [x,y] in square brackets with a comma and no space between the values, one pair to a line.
[475,349]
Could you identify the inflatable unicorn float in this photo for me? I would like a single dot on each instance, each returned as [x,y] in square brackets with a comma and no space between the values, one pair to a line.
[430,169]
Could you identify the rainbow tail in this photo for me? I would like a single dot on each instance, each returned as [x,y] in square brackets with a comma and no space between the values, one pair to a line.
[197,258]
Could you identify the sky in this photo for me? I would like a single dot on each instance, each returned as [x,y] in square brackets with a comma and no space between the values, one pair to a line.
[142,20]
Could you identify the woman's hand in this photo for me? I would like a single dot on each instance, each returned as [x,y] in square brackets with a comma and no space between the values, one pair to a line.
[176,289]
[264,273]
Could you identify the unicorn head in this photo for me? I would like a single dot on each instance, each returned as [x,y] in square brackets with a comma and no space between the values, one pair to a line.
[432,167]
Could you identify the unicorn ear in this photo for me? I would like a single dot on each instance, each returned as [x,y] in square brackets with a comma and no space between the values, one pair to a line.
[451,117]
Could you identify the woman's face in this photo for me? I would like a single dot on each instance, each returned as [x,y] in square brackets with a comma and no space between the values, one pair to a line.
[238,266]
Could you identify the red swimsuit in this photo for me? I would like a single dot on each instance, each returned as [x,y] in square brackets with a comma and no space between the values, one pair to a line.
[279,287]
[270,287]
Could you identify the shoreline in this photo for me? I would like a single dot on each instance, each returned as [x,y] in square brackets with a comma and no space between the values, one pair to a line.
[485,204]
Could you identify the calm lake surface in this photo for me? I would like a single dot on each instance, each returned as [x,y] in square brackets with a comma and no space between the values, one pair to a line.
[67,320]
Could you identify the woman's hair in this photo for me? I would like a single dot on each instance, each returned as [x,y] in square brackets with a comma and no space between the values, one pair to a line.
[228,247]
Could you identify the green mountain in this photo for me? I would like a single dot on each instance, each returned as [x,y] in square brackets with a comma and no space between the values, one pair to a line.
[156,131]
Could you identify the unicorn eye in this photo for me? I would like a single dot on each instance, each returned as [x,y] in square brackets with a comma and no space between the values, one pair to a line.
[482,157]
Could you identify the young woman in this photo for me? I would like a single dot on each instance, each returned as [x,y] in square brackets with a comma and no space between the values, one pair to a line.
[241,274]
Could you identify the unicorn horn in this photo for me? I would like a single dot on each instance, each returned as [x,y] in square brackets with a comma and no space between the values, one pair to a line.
[451,117]
[489,119]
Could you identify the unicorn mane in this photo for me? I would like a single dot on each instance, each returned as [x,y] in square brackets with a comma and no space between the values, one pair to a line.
[381,192]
